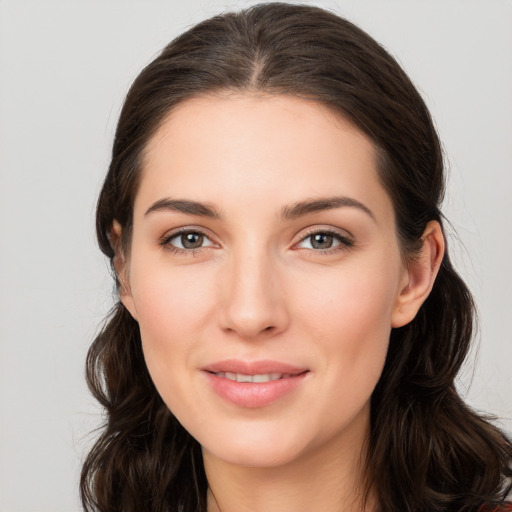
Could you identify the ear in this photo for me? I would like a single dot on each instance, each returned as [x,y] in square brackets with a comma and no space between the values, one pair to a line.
[419,276]
[121,268]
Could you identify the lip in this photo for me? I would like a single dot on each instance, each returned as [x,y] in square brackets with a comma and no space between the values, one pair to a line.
[253,367]
[253,394]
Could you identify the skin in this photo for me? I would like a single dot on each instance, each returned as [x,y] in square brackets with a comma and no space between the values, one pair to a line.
[258,289]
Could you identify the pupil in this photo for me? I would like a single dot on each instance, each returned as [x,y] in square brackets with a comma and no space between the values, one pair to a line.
[192,240]
[321,241]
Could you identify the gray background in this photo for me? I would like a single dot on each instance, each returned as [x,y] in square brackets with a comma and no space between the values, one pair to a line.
[64,69]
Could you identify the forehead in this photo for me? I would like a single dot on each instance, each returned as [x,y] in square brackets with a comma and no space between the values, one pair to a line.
[245,147]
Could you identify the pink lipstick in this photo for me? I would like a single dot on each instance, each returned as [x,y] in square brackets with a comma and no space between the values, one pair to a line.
[253,384]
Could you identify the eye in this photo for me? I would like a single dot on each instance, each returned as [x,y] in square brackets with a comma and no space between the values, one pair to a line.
[325,240]
[187,241]
[319,241]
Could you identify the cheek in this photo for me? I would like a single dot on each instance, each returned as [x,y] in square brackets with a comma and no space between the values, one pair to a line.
[349,302]
[170,299]
[349,315]
[172,308]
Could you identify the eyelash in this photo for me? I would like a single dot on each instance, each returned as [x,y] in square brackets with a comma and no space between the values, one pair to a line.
[165,241]
[344,242]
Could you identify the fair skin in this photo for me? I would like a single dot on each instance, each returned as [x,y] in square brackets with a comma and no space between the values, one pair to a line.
[287,253]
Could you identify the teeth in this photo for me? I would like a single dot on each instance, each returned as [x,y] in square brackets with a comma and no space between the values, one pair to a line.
[240,377]
[261,378]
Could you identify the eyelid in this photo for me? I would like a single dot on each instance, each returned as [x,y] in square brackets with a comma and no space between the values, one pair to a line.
[346,239]
[164,241]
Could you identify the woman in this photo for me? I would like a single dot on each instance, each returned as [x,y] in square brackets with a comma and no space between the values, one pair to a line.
[289,326]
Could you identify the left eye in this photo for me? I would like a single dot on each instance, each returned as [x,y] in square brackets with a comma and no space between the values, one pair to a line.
[189,240]
[322,240]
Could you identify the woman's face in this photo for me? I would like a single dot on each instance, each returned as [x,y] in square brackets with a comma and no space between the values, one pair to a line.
[265,275]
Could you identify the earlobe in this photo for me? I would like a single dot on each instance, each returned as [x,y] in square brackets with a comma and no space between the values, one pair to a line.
[121,269]
[419,276]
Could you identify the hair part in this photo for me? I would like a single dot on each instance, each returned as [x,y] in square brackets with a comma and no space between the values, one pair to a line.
[428,451]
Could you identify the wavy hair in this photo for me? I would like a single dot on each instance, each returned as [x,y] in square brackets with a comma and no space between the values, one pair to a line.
[428,450]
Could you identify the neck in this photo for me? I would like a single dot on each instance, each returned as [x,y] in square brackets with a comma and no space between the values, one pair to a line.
[329,478]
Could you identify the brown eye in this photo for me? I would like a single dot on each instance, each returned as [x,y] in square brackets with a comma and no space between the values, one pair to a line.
[191,240]
[321,241]
[187,241]
[325,240]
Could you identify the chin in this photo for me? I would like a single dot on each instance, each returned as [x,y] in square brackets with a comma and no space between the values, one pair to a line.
[259,450]
[256,457]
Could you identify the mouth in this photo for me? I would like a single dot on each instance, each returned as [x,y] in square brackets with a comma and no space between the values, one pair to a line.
[274,370]
[254,384]
[258,378]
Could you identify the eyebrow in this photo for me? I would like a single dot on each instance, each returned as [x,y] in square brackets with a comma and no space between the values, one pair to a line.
[185,206]
[316,205]
[291,212]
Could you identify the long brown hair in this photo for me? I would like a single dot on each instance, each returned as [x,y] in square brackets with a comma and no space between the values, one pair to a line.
[428,450]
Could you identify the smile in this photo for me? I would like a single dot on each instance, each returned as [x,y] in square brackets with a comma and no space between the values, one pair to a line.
[262,377]
[254,384]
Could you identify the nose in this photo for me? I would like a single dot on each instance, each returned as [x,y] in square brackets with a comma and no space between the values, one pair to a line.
[252,297]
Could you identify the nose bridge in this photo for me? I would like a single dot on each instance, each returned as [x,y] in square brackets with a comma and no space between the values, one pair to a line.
[252,301]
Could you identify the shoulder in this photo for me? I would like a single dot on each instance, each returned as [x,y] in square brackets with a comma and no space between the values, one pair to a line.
[506,507]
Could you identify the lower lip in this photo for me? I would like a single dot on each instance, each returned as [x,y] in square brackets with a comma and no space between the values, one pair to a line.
[254,394]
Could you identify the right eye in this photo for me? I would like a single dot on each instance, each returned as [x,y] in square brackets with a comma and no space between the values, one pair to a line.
[186,241]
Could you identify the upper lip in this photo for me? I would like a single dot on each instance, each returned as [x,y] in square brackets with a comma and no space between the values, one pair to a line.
[253,367]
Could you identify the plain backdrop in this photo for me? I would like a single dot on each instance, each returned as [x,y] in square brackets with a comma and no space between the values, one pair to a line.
[65,67]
